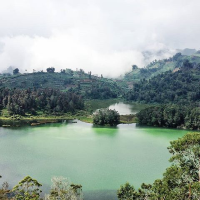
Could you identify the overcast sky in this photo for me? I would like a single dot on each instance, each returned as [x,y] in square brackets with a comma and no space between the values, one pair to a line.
[102,36]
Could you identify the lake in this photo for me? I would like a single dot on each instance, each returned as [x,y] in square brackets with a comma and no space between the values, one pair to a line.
[100,159]
[127,108]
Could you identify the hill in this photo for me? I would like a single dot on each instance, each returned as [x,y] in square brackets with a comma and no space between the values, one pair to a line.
[85,84]
[160,66]
[177,86]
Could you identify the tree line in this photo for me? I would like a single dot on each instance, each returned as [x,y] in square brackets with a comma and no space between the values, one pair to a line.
[18,101]
[172,116]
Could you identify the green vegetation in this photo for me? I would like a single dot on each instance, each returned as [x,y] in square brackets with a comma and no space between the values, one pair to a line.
[30,189]
[15,71]
[64,190]
[157,67]
[46,95]
[27,188]
[84,84]
[181,181]
[172,116]
[128,119]
[106,117]
[50,101]
[181,86]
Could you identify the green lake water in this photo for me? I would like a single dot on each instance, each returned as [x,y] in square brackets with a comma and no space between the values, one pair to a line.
[100,159]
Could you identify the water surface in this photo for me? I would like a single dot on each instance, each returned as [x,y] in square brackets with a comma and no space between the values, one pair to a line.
[101,159]
[124,108]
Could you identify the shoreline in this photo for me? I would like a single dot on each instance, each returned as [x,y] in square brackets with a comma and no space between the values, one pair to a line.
[39,120]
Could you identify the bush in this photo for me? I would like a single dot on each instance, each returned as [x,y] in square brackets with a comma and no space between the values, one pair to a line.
[106,116]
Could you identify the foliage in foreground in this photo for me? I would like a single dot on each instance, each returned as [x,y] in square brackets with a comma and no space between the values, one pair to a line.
[62,189]
[181,181]
[106,116]
[29,189]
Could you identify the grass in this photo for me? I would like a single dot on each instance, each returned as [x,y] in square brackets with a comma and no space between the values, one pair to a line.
[87,119]
[128,119]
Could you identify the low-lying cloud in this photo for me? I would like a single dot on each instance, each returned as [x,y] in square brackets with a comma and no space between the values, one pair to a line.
[105,37]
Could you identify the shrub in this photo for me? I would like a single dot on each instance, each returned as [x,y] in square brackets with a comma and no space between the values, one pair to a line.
[106,116]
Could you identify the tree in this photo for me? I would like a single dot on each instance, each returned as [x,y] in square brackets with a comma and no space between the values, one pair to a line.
[127,192]
[15,71]
[90,74]
[134,67]
[62,189]
[27,189]
[51,70]
[4,191]
[181,181]
[62,71]
[186,154]
[176,56]
[106,116]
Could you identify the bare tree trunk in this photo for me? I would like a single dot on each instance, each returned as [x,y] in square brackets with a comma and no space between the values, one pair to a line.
[190,191]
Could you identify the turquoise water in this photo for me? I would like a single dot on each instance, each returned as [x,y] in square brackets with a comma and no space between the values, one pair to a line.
[101,159]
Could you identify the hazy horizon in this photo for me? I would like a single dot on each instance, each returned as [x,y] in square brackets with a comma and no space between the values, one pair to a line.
[105,37]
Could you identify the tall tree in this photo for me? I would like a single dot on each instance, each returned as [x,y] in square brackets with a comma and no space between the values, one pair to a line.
[15,71]
[27,189]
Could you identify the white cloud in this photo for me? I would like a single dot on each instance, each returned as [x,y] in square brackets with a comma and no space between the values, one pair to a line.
[102,36]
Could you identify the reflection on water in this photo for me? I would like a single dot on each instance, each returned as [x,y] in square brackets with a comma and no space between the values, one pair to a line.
[123,109]
[127,108]
[109,131]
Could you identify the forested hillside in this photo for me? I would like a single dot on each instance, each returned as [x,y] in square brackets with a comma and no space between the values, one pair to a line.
[180,86]
[157,67]
[79,82]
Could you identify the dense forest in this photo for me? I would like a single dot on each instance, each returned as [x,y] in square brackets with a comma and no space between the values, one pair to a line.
[180,181]
[181,86]
[87,85]
[172,116]
[18,101]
